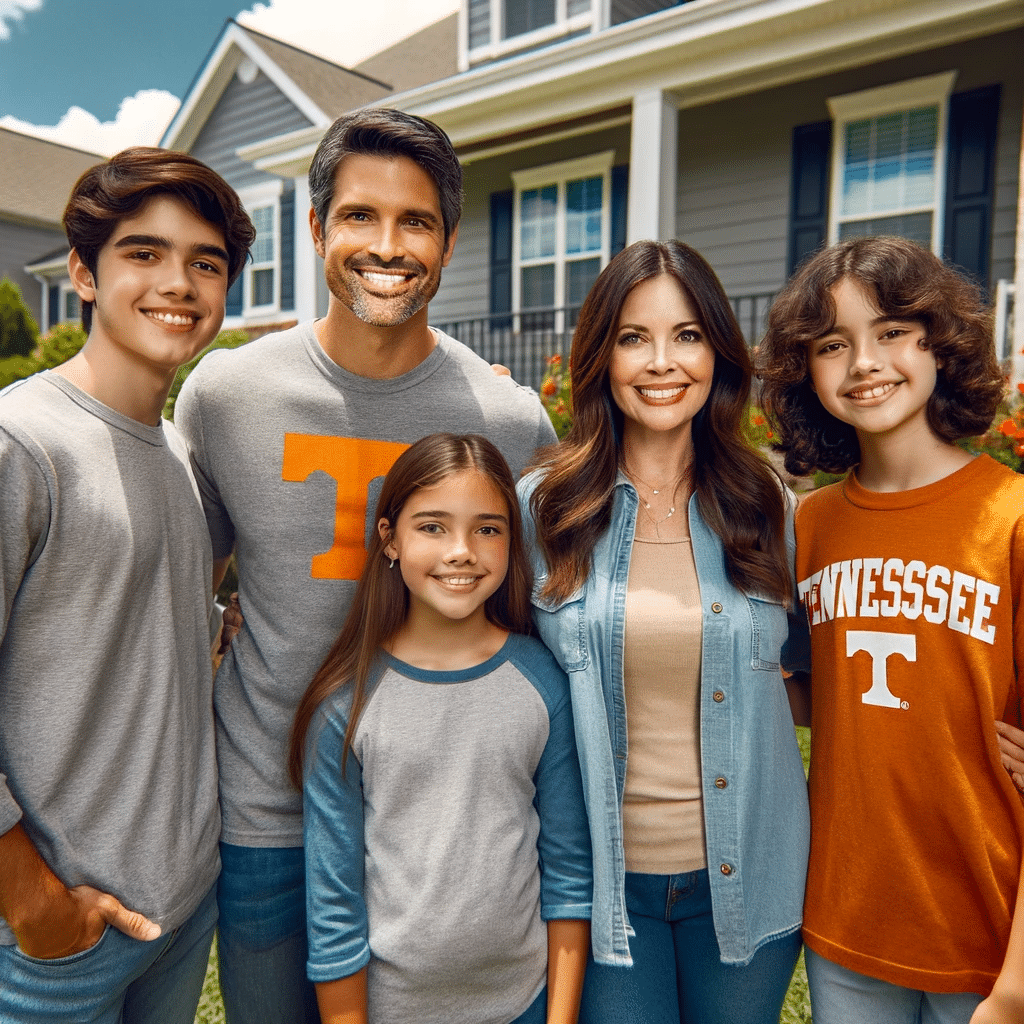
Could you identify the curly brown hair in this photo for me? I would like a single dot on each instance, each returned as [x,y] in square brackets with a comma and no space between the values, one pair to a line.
[907,282]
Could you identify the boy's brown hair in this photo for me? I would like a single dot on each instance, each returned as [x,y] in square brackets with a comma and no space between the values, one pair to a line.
[112,191]
[906,282]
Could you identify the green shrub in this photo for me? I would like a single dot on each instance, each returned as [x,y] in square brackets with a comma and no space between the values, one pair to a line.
[556,395]
[226,339]
[59,344]
[19,332]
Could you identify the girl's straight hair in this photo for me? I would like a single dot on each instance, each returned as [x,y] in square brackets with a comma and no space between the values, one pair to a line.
[739,496]
[381,601]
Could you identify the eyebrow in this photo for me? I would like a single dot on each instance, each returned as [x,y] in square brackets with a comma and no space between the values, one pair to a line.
[483,516]
[642,327]
[159,242]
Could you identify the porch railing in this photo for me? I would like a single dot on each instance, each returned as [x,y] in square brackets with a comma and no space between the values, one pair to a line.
[524,341]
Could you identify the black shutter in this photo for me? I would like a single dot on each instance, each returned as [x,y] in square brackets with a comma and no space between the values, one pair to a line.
[808,197]
[53,299]
[620,206]
[970,180]
[233,306]
[288,250]
[501,255]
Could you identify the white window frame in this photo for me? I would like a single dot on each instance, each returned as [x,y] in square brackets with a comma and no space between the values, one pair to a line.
[66,289]
[932,90]
[254,198]
[559,174]
[499,46]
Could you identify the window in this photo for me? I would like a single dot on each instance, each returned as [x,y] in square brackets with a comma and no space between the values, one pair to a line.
[561,231]
[496,27]
[261,277]
[70,304]
[888,167]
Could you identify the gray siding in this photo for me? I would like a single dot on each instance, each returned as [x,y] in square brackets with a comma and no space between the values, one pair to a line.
[243,115]
[464,284]
[21,244]
[734,159]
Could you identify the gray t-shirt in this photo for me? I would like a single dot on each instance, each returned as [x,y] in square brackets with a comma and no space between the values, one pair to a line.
[457,829]
[106,725]
[290,451]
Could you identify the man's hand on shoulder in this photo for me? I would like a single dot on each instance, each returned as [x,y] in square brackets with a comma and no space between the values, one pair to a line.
[48,919]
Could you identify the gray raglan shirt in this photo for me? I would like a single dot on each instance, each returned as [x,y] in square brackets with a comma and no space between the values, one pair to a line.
[106,725]
[290,451]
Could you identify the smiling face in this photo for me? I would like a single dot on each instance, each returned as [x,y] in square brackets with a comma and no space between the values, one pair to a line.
[870,370]
[159,288]
[383,242]
[451,543]
[662,364]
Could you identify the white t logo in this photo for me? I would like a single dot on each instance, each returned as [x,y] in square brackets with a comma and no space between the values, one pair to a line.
[880,646]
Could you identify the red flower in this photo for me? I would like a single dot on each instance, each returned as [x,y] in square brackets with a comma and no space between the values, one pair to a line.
[1020,387]
[757,421]
[769,435]
[555,360]
[560,408]
[549,387]
[1008,428]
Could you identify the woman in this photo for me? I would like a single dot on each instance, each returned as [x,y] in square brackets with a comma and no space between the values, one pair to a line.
[663,559]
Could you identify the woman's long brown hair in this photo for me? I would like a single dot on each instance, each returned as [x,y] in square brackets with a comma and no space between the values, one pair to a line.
[381,600]
[738,494]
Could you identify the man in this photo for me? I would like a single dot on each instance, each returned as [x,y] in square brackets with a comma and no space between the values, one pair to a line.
[290,437]
[108,794]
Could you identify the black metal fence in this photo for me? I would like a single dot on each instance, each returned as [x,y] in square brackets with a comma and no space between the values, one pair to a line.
[525,341]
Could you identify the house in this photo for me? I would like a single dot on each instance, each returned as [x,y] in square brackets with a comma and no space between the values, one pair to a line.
[756,130]
[36,177]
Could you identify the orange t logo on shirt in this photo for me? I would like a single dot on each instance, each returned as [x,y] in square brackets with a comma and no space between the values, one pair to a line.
[352,463]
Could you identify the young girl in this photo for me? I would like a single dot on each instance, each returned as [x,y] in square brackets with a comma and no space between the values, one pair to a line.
[911,573]
[440,766]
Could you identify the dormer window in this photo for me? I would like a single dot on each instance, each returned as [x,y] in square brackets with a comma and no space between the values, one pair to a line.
[495,28]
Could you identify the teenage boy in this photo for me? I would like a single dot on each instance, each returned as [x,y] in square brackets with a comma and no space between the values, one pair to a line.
[291,436]
[108,796]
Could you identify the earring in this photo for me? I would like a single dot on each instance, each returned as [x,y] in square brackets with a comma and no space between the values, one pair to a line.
[392,565]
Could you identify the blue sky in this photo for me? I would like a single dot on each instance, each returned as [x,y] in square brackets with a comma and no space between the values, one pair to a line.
[104,74]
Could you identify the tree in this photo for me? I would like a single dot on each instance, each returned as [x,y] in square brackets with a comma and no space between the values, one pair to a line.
[18,330]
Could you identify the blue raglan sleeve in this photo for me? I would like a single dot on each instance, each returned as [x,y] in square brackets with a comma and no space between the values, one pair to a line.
[333,838]
[566,885]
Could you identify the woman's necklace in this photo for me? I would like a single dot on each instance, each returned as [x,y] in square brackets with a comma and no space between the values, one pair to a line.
[655,522]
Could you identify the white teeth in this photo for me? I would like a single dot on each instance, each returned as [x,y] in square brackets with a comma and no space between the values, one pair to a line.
[383,280]
[662,392]
[172,318]
[457,581]
[875,392]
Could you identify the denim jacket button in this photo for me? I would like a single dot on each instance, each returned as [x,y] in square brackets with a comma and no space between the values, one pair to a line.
[718,696]
[716,607]
[720,783]
[726,869]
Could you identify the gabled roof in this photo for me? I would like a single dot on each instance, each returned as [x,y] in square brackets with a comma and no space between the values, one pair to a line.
[36,177]
[426,56]
[318,88]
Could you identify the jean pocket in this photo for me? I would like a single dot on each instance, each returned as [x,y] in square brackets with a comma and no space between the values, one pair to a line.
[769,626]
[562,627]
[62,961]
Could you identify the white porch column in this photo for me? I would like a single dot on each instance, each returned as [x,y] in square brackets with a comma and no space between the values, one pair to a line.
[652,167]
[1017,336]
[305,255]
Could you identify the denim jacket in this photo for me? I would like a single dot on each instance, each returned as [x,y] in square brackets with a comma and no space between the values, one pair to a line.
[754,791]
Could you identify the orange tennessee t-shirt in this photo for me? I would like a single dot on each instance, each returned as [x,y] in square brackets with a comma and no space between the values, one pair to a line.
[917,832]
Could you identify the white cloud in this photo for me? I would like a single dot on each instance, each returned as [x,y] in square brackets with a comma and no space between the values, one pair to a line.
[14,10]
[141,120]
[345,33]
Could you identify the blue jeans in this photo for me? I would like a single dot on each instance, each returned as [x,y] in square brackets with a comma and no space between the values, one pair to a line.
[842,996]
[261,939]
[117,981]
[677,975]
